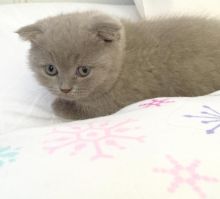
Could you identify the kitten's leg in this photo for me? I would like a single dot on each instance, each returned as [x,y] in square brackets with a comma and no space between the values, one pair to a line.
[71,110]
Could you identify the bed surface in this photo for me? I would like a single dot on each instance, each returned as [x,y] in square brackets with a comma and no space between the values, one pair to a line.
[158,148]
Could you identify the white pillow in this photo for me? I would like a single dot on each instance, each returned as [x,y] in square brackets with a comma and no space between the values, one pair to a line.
[152,8]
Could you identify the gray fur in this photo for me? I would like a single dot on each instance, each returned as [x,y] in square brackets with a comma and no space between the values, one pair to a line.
[177,56]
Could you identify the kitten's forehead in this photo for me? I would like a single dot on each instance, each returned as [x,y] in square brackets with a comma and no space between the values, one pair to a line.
[67,35]
[64,31]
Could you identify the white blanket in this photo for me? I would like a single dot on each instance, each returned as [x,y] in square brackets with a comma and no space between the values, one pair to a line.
[158,148]
[165,148]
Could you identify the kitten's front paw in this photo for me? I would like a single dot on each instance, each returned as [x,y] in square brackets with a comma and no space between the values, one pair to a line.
[66,109]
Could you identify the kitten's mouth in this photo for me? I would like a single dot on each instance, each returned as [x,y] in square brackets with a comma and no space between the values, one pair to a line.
[68,96]
[72,96]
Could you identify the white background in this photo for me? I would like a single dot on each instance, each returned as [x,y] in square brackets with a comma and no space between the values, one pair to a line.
[96,1]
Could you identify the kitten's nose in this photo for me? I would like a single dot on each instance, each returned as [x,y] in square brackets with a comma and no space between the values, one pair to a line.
[65,90]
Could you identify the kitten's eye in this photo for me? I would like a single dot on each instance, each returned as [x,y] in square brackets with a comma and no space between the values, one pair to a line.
[51,70]
[83,71]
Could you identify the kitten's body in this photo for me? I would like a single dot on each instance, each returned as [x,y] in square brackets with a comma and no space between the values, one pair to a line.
[146,59]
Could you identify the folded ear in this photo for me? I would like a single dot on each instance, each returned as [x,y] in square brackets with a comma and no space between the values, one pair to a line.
[29,32]
[106,28]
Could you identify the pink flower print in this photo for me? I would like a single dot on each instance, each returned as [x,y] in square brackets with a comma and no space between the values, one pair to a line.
[96,136]
[186,175]
[157,102]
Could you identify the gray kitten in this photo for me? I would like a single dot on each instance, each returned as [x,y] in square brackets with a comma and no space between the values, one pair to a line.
[96,64]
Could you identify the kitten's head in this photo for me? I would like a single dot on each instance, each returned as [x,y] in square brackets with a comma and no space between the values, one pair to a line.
[78,55]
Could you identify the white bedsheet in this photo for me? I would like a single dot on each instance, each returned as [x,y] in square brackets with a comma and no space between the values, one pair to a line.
[165,148]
